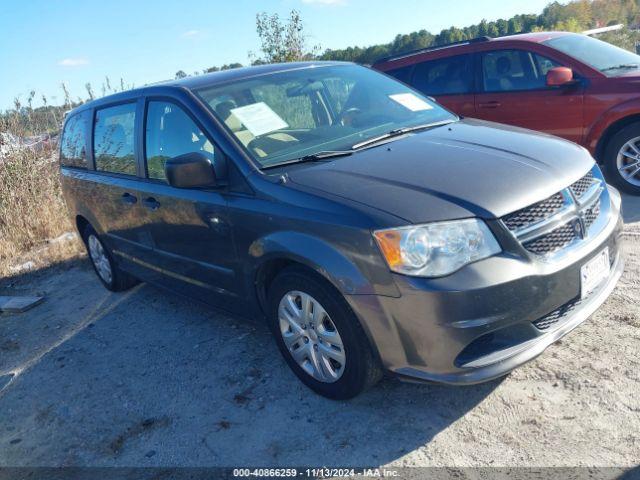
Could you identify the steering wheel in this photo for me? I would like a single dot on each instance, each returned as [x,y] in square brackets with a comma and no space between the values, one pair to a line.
[347,116]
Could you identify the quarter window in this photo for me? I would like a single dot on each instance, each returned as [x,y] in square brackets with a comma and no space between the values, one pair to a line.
[513,70]
[446,76]
[114,139]
[170,132]
[73,146]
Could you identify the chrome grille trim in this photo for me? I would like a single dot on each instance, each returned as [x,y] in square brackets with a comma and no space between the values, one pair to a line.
[563,226]
[581,186]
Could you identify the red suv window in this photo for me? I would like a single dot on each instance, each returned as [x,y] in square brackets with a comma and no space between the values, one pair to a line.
[445,76]
[512,70]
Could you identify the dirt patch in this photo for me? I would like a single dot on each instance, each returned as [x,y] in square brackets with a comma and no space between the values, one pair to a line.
[137,429]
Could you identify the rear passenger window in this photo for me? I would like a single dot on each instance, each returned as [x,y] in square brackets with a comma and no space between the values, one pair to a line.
[113,139]
[403,73]
[73,146]
[171,132]
[446,76]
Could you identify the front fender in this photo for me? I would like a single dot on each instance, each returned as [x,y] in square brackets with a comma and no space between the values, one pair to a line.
[343,272]
[608,118]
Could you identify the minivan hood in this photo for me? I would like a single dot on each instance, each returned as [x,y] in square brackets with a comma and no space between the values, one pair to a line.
[468,168]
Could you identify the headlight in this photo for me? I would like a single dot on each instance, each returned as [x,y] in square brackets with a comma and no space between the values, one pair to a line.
[436,249]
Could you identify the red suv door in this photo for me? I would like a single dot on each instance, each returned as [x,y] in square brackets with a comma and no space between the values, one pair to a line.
[512,89]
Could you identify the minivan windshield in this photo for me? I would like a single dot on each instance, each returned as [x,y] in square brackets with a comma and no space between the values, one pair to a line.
[606,58]
[312,111]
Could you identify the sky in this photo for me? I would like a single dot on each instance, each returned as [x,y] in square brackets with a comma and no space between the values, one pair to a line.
[44,43]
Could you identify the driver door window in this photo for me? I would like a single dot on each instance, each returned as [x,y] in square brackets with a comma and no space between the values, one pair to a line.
[171,132]
[514,70]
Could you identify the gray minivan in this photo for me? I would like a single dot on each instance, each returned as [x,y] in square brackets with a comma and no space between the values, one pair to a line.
[373,229]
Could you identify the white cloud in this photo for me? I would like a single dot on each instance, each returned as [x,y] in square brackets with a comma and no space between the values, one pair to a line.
[191,34]
[73,62]
[332,3]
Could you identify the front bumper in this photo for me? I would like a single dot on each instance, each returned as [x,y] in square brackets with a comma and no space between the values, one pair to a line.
[480,323]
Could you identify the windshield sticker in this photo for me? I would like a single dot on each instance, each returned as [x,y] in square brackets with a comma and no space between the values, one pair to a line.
[259,118]
[410,101]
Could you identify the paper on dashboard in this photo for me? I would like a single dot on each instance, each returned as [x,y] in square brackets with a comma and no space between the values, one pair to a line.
[259,118]
[410,101]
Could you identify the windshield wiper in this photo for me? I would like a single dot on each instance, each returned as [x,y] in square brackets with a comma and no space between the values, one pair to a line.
[623,66]
[397,132]
[313,157]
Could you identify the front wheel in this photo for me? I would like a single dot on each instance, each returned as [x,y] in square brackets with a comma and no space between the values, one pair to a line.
[622,159]
[319,336]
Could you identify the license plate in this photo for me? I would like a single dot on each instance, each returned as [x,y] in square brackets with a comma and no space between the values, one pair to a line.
[594,272]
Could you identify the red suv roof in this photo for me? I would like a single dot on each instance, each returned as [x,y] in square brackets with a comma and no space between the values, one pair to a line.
[534,37]
[537,37]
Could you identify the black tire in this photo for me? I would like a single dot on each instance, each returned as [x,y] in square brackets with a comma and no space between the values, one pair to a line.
[119,280]
[362,369]
[611,156]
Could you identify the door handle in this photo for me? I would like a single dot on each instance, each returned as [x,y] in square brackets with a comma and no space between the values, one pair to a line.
[491,104]
[129,199]
[151,203]
[217,224]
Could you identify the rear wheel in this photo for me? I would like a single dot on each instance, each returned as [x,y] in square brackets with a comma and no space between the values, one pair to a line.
[108,272]
[319,336]
[622,159]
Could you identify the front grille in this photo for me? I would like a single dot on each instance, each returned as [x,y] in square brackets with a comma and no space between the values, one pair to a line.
[559,314]
[534,213]
[581,186]
[548,226]
[553,241]
[591,214]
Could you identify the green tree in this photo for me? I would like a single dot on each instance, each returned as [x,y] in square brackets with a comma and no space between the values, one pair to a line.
[503,26]
[514,26]
[282,41]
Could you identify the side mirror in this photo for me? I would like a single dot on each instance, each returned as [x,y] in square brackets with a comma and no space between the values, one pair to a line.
[191,170]
[559,76]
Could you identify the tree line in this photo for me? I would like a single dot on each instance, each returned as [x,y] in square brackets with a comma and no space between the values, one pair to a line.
[575,16]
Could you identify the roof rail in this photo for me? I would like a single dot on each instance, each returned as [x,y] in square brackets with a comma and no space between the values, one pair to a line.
[430,49]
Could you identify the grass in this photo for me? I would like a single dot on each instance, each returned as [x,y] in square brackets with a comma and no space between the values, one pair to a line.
[32,211]
[33,215]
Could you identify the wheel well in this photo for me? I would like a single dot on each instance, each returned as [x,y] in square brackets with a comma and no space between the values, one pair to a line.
[611,130]
[267,272]
[270,269]
[81,224]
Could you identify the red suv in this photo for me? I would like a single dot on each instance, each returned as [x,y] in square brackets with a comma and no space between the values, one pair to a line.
[565,84]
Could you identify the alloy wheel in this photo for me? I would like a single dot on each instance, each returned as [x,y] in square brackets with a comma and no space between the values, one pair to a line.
[100,259]
[311,337]
[628,161]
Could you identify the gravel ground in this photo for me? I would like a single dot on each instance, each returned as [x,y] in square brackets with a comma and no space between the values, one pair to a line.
[91,378]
